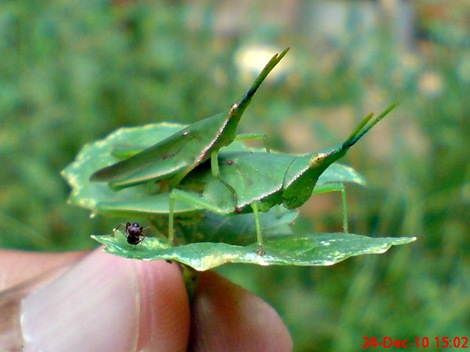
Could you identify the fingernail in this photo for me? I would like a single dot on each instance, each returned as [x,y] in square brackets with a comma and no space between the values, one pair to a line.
[92,307]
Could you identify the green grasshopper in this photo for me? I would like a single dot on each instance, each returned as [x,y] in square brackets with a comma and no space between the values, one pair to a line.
[261,181]
[174,157]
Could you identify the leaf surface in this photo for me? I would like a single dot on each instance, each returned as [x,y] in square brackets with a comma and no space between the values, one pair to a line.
[301,250]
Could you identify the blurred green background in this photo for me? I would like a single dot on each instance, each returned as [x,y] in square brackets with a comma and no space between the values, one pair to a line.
[72,72]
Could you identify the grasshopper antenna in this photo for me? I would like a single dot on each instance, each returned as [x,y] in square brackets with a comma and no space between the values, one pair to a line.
[363,128]
[261,77]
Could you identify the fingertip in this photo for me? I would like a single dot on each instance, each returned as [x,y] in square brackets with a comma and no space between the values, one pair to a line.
[226,317]
[164,307]
[118,304]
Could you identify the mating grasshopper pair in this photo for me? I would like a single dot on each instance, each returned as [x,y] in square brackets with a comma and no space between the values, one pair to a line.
[230,182]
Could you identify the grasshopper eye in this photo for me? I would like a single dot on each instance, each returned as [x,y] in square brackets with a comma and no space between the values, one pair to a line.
[233,108]
[317,160]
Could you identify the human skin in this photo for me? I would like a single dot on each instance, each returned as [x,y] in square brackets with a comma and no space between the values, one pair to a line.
[88,301]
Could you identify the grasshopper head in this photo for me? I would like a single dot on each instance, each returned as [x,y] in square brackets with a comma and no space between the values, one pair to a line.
[303,175]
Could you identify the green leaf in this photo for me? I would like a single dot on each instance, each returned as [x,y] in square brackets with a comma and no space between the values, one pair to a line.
[303,250]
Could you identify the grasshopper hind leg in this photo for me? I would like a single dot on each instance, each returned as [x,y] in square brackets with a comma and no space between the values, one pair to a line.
[216,174]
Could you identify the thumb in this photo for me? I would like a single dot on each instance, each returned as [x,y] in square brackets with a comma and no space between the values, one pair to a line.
[107,303]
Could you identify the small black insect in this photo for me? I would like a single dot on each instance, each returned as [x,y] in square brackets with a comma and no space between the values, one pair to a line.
[135,233]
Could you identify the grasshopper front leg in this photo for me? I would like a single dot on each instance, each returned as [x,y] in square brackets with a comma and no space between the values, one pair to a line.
[345,208]
[259,237]
[188,198]
[254,136]
[337,187]
[195,200]
[171,219]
